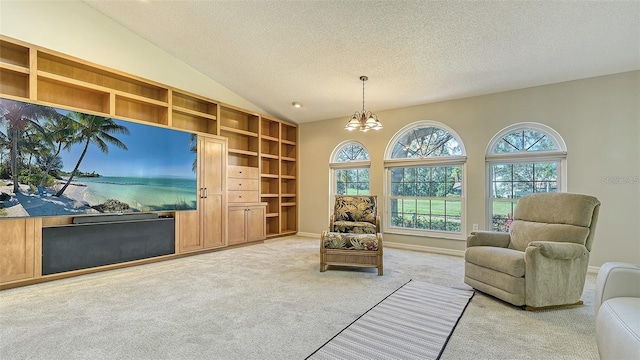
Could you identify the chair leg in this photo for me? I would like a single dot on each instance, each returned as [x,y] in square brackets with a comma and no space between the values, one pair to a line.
[379,270]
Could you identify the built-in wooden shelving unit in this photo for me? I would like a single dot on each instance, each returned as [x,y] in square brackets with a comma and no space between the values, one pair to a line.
[41,76]
[278,175]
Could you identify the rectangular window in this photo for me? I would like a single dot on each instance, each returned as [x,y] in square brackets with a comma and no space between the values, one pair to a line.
[352,181]
[426,198]
[509,182]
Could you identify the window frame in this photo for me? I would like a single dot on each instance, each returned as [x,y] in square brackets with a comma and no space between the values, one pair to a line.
[346,165]
[522,157]
[435,161]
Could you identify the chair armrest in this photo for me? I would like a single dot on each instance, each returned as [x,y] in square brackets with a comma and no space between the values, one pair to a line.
[488,238]
[332,219]
[378,224]
[558,250]
[616,279]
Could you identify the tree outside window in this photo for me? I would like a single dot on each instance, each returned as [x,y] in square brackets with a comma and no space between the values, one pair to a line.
[523,159]
[425,163]
[350,166]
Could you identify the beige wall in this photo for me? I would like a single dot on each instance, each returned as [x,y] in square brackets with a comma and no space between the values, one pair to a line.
[74,28]
[599,119]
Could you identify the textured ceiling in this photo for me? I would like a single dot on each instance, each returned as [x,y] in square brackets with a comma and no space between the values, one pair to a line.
[414,52]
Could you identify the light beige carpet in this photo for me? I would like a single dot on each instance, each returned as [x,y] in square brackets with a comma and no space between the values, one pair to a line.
[267,301]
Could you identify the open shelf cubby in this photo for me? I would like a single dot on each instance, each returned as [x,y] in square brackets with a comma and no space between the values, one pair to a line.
[270,129]
[288,168]
[140,110]
[14,83]
[269,147]
[273,225]
[233,120]
[73,96]
[288,187]
[52,64]
[191,122]
[289,133]
[269,166]
[14,54]
[196,106]
[288,219]
[288,151]
[269,187]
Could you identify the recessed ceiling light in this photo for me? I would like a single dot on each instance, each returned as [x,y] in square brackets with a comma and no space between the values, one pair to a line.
[296,104]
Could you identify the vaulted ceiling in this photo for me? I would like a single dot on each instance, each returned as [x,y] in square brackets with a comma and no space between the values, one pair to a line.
[273,53]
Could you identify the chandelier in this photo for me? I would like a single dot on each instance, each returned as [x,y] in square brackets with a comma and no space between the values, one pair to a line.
[363,120]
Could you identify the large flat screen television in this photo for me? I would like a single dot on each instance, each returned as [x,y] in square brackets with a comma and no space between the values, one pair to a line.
[55,162]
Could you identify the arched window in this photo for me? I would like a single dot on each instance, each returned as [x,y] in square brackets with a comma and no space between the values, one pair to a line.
[350,169]
[522,159]
[424,165]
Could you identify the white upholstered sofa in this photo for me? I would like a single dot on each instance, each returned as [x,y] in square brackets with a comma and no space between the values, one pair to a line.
[617,307]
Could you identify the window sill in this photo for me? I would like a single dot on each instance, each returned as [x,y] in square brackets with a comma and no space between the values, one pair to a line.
[427,234]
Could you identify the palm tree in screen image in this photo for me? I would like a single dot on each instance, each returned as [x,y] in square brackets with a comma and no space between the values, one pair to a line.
[95,130]
[59,134]
[20,115]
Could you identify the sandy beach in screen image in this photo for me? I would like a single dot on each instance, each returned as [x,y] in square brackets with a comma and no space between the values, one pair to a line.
[26,203]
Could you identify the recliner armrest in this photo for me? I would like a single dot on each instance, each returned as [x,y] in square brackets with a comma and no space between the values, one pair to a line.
[617,279]
[558,250]
[488,238]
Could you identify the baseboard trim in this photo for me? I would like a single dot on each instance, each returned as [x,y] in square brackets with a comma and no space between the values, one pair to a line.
[306,234]
[429,249]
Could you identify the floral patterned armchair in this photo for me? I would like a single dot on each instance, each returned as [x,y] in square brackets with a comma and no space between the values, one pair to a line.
[355,214]
[354,237]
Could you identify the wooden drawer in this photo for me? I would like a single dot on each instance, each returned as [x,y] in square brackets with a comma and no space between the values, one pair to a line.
[242,172]
[243,196]
[243,184]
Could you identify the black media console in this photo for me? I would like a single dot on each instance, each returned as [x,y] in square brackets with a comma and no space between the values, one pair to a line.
[112,239]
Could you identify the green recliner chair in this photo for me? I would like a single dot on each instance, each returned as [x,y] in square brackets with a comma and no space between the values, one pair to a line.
[542,262]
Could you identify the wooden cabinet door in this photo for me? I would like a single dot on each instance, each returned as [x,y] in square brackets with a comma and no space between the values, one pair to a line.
[188,231]
[17,241]
[256,223]
[212,221]
[212,176]
[237,233]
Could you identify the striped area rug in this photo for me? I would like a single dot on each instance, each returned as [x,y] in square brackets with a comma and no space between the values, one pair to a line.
[414,322]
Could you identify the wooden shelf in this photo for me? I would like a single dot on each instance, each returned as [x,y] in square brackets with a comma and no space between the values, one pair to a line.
[288,204]
[271,215]
[269,156]
[243,152]
[269,138]
[289,134]
[15,82]
[269,195]
[74,70]
[14,54]
[270,129]
[193,113]
[134,108]
[192,122]
[288,142]
[73,96]
[272,176]
[194,105]
[238,131]
[292,177]
[268,147]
